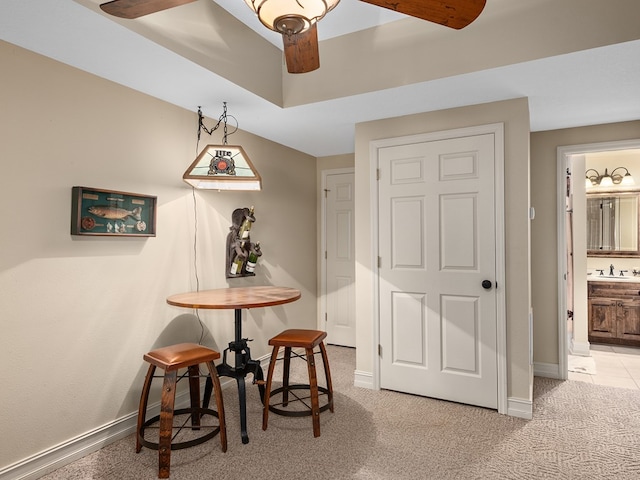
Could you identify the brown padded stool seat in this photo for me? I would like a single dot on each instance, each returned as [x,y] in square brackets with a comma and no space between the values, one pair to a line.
[309,340]
[171,359]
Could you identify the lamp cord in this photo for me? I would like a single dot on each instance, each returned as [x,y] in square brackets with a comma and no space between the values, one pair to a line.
[195,234]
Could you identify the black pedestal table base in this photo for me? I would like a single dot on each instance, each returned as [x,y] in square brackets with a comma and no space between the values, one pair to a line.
[244,365]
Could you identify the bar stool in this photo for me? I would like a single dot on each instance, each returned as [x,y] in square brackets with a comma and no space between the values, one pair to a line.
[309,340]
[171,359]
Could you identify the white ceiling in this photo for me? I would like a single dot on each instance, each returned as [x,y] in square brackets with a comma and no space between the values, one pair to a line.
[596,86]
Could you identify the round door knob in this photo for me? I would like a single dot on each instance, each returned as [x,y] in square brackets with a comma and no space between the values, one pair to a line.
[486,284]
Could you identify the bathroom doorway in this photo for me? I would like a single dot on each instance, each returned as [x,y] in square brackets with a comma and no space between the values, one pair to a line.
[573,263]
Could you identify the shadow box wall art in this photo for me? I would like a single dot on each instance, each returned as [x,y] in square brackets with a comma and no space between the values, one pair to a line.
[112,213]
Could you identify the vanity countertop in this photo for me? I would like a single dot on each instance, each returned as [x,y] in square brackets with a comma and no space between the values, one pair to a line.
[596,277]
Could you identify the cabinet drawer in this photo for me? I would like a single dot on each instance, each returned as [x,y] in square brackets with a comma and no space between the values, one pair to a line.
[614,289]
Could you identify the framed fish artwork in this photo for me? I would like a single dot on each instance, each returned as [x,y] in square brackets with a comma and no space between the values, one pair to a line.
[112,213]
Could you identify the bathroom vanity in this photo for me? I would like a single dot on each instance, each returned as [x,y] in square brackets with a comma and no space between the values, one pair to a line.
[613,232]
[614,311]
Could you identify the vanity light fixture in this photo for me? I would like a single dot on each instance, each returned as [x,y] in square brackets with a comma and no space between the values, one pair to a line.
[222,167]
[608,179]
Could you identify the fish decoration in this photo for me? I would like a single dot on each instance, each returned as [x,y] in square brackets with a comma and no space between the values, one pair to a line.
[115,213]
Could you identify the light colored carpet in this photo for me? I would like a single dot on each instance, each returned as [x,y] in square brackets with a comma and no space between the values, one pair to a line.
[579,431]
[580,364]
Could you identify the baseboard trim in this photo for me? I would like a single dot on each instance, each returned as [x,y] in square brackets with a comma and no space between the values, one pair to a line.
[35,466]
[516,407]
[582,349]
[60,455]
[520,407]
[363,379]
[547,370]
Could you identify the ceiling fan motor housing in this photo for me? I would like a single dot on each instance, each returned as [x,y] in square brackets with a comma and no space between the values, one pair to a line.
[290,16]
[290,24]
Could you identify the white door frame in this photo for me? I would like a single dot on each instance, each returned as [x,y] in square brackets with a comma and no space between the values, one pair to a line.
[322,310]
[497,129]
[562,160]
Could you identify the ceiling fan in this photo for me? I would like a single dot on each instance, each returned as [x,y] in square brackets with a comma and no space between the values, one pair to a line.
[297,20]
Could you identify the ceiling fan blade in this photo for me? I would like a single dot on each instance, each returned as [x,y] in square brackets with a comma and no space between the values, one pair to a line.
[301,51]
[137,8]
[450,13]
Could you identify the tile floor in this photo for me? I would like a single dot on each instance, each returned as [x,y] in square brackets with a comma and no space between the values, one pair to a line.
[615,367]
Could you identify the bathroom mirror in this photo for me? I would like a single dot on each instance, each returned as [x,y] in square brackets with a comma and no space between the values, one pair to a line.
[612,224]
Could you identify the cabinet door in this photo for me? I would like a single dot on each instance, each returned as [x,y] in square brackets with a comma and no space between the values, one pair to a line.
[629,319]
[602,318]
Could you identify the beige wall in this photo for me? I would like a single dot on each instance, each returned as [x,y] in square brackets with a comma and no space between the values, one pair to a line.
[515,115]
[78,313]
[544,270]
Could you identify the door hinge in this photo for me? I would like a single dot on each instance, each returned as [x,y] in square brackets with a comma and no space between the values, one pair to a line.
[325,255]
[378,174]
[326,318]
[379,350]
[379,262]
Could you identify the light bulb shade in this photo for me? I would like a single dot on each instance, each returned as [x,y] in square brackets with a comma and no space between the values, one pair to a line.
[606,181]
[290,16]
[223,167]
[627,180]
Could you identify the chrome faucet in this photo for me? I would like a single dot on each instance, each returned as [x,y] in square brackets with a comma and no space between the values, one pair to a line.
[611,269]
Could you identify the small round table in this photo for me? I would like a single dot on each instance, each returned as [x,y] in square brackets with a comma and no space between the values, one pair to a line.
[237,298]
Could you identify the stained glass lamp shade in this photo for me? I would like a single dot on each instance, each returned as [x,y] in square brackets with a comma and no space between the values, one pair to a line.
[223,167]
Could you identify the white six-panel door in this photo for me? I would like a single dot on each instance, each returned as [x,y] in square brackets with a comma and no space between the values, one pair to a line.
[437,244]
[340,259]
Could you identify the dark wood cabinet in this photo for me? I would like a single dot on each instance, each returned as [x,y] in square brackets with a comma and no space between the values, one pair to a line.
[614,312]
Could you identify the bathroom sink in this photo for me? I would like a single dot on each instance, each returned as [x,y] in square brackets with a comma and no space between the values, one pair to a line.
[607,278]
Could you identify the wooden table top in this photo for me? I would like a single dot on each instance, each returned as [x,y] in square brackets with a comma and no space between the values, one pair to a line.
[236,297]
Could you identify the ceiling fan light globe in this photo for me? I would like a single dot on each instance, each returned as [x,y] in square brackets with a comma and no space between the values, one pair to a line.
[309,11]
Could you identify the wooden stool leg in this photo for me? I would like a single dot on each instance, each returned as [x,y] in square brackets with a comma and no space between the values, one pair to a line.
[213,374]
[142,409]
[327,374]
[285,376]
[267,389]
[313,388]
[166,423]
[194,393]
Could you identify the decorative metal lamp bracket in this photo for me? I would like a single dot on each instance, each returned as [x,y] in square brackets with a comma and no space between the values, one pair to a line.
[223,119]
